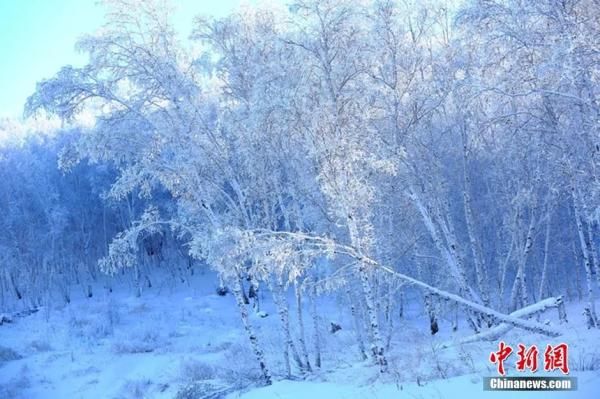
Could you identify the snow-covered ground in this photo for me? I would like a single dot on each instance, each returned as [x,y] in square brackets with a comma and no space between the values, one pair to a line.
[184,340]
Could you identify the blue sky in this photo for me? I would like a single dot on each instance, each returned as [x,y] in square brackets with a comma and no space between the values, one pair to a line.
[37,37]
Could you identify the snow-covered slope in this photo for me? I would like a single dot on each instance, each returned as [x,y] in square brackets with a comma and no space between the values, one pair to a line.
[186,342]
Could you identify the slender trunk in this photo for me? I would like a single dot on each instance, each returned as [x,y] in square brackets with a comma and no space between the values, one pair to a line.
[576,270]
[376,289]
[480,268]
[401,310]
[256,347]
[288,342]
[504,268]
[15,287]
[594,254]
[519,295]
[138,283]
[591,306]
[474,319]
[448,253]
[316,323]
[429,309]
[377,348]
[242,290]
[545,264]
[357,324]
[302,338]
[389,317]
[429,305]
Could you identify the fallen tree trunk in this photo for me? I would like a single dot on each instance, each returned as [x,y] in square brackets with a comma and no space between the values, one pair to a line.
[501,329]
[329,245]
[508,319]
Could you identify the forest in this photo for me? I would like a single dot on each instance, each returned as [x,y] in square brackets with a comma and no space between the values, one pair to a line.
[336,168]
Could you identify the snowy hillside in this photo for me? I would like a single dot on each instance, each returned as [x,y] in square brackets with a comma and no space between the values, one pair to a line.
[179,341]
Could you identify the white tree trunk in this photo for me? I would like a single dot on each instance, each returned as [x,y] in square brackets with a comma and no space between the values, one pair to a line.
[591,313]
[288,342]
[480,268]
[545,264]
[377,348]
[504,268]
[429,308]
[524,324]
[389,317]
[256,347]
[316,324]
[519,294]
[357,324]
[449,254]
[594,254]
[302,339]
[495,333]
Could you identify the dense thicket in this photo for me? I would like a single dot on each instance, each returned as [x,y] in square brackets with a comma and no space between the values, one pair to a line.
[56,225]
